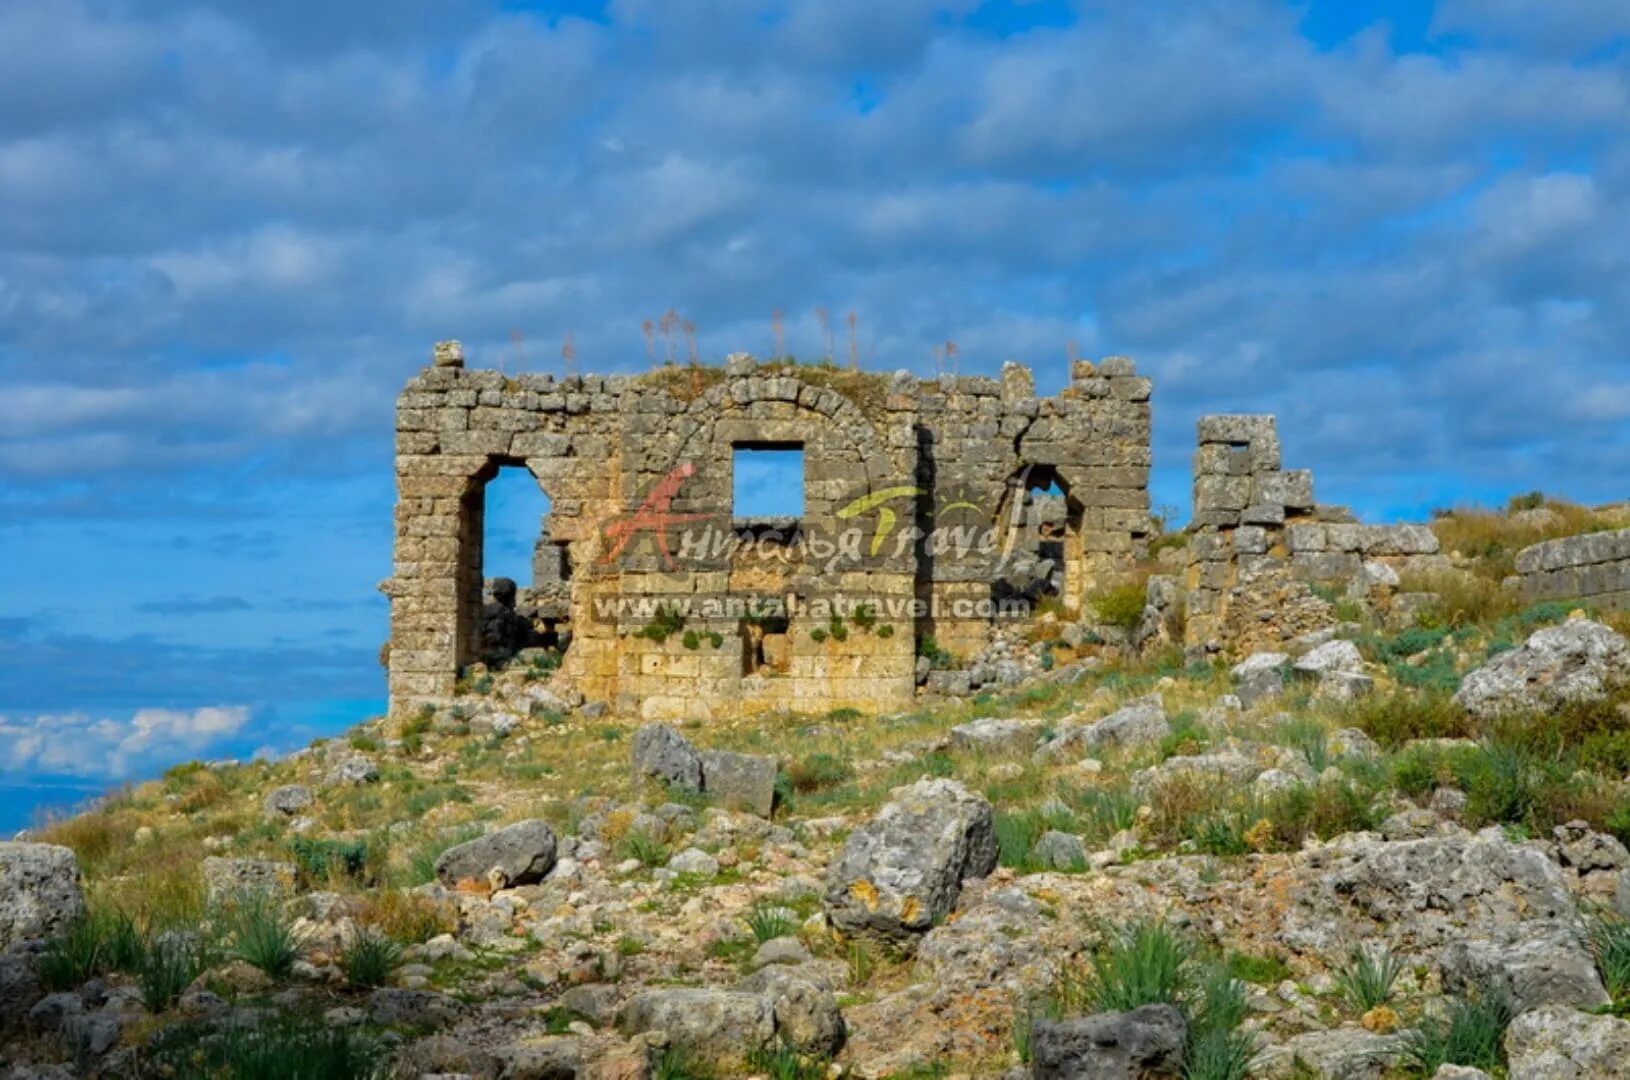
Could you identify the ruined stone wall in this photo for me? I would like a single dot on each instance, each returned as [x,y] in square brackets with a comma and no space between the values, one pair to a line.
[1260,540]
[933,454]
[1593,567]
[982,440]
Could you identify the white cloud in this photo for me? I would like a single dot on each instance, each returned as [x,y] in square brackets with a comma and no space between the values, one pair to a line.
[77,744]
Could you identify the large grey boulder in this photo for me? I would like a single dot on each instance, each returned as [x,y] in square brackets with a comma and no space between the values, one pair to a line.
[807,1017]
[1576,661]
[740,781]
[287,800]
[1562,1044]
[39,891]
[1060,851]
[1544,970]
[661,753]
[1259,677]
[995,735]
[1141,722]
[1146,1042]
[995,943]
[1479,906]
[1344,1053]
[715,1025]
[20,985]
[1338,655]
[901,872]
[519,854]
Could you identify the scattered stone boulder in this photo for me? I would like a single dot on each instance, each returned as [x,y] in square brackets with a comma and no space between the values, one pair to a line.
[902,871]
[995,735]
[1576,661]
[1141,722]
[1146,1042]
[1060,851]
[694,861]
[659,752]
[740,781]
[1259,677]
[1563,1044]
[1344,686]
[1337,655]
[1350,1053]
[287,801]
[39,891]
[1479,905]
[227,879]
[714,1025]
[353,770]
[807,1017]
[1540,971]
[1228,767]
[519,854]
[413,1008]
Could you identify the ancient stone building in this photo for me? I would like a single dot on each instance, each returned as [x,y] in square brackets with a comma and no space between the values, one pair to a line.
[915,501]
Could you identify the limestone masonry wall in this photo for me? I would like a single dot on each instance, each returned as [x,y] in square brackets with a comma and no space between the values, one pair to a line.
[934,455]
[1594,567]
[1260,540]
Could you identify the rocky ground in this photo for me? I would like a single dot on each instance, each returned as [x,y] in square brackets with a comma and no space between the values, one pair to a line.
[1387,851]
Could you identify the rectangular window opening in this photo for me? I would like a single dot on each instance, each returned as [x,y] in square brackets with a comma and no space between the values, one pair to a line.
[767,482]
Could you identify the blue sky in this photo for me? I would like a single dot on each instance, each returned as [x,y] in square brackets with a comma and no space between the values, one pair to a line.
[230,230]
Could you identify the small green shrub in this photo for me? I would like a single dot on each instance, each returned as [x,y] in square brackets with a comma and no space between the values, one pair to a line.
[859,960]
[785,1063]
[171,963]
[1187,737]
[643,846]
[770,921]
[1144,963]
[1261,970]
[369,959]
[1610,946]
[691,640]
[1309,737]
[1365,980]
[1396,718]
[667,621]
[263,934]
[1120,605]
[318,859]
[817,771]
[1469,1032]
[282,1048]
[678,1063]
[74,956]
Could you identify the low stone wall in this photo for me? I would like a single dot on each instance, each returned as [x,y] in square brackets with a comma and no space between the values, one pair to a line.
[1331,551]
[1594,567]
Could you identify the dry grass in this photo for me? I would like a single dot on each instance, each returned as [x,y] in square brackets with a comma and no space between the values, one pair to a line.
[406,917]
[1493,538]
[1463,599]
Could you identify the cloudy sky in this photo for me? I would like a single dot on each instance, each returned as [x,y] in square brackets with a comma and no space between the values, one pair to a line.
[229,230]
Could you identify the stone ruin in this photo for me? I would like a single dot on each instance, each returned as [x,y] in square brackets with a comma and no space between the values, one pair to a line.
[934,512]
[926,504]
[1264,557]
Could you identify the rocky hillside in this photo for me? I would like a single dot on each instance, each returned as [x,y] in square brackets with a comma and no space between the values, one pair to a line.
[1393,849]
